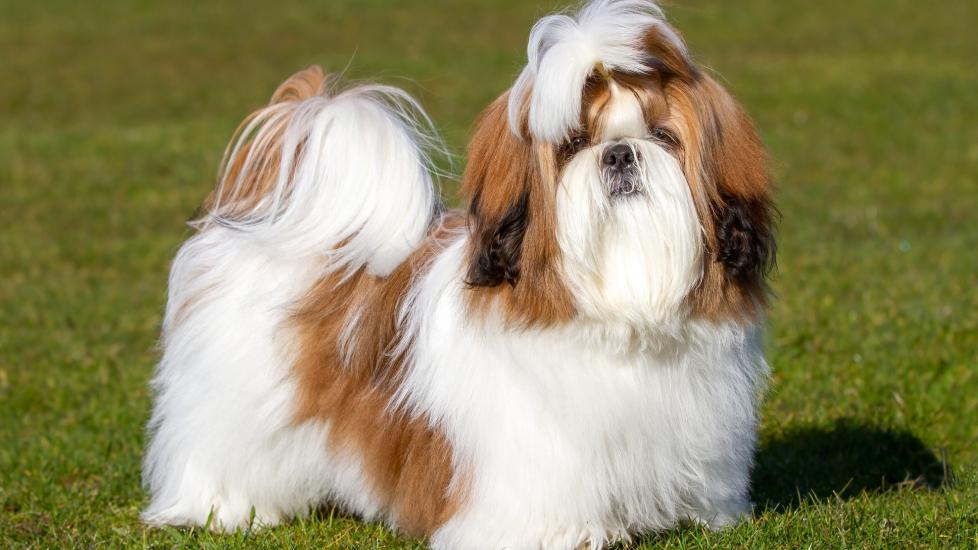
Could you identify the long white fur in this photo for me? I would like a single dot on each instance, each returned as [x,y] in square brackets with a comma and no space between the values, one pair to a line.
[566,442]
[355,183]
[221,439]
[563,50]
[628,419]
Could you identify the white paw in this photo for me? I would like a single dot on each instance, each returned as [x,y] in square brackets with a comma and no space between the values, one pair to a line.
[725,514]
[222,516]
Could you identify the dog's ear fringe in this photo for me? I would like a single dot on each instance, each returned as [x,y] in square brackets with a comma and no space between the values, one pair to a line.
[745,237]
[498,252]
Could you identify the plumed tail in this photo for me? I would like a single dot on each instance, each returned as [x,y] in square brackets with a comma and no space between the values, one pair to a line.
[347,177]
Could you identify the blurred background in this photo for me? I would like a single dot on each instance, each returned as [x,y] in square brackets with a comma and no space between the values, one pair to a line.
[114,114]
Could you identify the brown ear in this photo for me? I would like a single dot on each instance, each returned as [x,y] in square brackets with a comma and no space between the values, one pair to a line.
[745,240]
[496,257]
[726,157]
[498,178]
[734,196]
[513,254]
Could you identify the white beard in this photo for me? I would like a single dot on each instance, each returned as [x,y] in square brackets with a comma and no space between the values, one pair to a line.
[630,261]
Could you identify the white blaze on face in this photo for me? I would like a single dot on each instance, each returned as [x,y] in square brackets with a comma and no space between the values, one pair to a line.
[623,117]
[629,260]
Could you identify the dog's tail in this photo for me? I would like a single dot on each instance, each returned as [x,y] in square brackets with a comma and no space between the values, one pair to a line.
[347,177]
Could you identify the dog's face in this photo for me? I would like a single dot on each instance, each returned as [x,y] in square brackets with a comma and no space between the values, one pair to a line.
[631,189]
[626,219]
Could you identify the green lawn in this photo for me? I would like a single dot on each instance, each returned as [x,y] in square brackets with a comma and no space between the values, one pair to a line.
[113,115]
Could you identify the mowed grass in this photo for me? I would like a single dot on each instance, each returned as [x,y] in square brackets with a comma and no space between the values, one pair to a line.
[113,116]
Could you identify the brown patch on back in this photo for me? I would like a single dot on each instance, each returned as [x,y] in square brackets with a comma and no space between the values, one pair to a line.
[350,385]
[514,257]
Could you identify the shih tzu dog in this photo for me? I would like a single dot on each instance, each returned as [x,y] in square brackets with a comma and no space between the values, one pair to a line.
[574,359]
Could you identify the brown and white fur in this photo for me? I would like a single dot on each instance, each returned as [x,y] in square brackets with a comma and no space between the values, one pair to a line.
[573,360]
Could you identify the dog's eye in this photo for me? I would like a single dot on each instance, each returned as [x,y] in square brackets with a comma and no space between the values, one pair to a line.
[665,136]
[576,143]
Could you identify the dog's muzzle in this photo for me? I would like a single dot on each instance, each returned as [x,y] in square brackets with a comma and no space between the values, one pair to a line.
[620,165]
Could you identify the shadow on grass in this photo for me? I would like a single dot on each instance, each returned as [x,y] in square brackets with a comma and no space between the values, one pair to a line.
[842,460]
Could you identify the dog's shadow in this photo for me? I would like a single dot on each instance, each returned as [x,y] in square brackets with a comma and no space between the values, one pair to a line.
[843,460]
[848,458]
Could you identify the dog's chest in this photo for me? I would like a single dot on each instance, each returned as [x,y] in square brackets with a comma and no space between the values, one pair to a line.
[560,418]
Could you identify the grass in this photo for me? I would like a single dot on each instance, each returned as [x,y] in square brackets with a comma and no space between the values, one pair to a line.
[113,116]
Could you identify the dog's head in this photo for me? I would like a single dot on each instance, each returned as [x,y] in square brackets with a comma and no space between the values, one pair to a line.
[616,181]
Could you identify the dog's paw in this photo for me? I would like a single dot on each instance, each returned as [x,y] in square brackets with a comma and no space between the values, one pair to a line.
[725,514]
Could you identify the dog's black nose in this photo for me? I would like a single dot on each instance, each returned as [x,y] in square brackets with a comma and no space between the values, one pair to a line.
[618,157]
